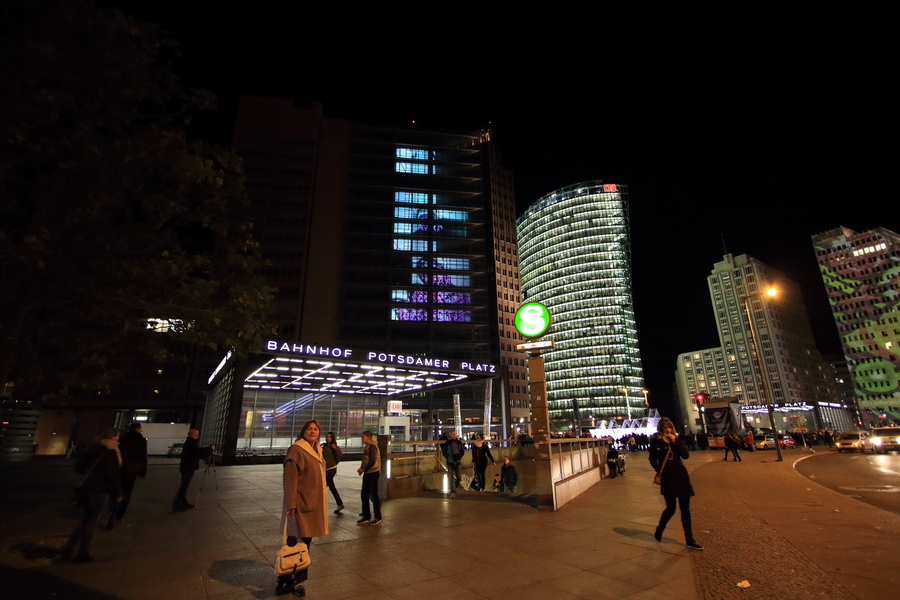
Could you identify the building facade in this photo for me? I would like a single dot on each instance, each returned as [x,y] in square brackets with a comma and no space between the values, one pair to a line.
[861,272]
[575,259]
[786,369]
[400,240]
[709,371]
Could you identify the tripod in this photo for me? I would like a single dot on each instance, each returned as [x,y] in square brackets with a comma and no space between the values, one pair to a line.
[210,464]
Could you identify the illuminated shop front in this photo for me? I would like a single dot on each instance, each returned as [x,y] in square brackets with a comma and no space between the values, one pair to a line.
[258,405]
[821,415]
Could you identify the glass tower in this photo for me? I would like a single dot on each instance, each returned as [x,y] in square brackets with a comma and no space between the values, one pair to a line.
[575,259]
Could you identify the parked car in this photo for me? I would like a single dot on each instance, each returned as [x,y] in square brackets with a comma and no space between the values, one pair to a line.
[860,441]
[786,440]
[175,450]
[764,442]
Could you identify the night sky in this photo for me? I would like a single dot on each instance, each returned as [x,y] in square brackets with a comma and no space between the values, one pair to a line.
[756,128]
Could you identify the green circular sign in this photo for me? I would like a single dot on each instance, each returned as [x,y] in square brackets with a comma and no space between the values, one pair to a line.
[533,319]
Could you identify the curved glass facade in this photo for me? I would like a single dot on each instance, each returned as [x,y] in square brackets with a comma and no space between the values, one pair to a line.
[574,257]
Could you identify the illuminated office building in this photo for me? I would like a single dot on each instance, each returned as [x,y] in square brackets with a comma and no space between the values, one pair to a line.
[861,272]
[397,240]
[575,259]
[798,381]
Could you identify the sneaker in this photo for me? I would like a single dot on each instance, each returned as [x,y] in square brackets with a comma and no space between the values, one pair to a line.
[694,546]
[338,510]
[375,521]
[363,521]
[300,590]
[453,494]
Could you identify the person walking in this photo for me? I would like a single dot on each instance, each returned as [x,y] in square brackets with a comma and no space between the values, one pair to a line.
[101,465]
[509,476]
[453,451]
[190,463]
[370,471]
[133,449]
[666,453]
[332,455]
[305,505]
[481,453]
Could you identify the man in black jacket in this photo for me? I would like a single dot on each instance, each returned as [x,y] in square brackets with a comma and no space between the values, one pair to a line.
[133,448]
[453,451]
[190,462]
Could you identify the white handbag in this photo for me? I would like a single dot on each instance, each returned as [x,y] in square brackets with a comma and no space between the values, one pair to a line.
[290,558]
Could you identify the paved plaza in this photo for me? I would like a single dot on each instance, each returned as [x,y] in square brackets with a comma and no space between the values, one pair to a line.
[760,522]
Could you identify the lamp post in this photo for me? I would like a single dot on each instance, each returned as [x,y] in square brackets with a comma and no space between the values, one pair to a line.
[627,405]
[646,402]
[759,363]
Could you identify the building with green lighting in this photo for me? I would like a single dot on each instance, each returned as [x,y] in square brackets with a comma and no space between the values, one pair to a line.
[574,257]
[861,272]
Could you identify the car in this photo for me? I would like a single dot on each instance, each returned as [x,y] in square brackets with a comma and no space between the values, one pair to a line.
[764,442]
[786,440]
[885,439]
[175,449]
[851,441]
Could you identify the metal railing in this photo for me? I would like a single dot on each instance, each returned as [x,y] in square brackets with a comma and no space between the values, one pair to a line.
[571,456]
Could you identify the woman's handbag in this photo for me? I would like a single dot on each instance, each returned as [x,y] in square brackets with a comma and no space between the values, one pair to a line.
[657,479]
[290,558]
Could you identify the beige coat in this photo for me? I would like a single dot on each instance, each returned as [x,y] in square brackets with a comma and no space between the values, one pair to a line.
[305,491]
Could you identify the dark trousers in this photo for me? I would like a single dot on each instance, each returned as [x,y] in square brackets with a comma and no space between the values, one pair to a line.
[456,473]
[370,492]
[83,534]
[479,475]
[119,508]
[329,479]
[667,514]
[181,495]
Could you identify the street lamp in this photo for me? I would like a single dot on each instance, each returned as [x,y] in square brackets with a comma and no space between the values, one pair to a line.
[646,402]
[627,405]
[771,292]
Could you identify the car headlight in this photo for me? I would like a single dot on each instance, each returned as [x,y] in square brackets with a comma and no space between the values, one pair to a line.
[876,441]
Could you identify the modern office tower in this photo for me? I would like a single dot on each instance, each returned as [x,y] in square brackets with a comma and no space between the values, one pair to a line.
[399,240]
[861,272]
[709,371]
[796,379]
[574,257]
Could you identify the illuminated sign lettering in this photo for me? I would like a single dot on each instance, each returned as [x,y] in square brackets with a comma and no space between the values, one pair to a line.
[533,319]
[274,346]
[395,406]
[400,359]
[610,187]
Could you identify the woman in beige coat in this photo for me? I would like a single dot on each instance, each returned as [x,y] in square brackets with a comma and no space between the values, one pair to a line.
[305,500]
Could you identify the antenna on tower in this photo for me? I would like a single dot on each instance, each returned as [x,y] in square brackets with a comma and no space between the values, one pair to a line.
[723,243]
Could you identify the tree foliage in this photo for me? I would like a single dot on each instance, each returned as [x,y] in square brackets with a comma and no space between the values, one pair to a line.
[109,214]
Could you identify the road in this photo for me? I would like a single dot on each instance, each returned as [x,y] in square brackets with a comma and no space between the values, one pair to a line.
[872,478]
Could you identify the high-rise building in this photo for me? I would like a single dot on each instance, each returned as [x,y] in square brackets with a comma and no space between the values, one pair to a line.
[398,240]
[794,374]
[575,259]
[861,272]
[709,371]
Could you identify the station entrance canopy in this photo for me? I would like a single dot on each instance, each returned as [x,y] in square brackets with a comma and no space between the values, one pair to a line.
[295,367]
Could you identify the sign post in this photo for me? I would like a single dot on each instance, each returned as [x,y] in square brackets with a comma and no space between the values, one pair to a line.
[532,321]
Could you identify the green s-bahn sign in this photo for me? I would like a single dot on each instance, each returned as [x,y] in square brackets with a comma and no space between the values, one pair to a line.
[533,320]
